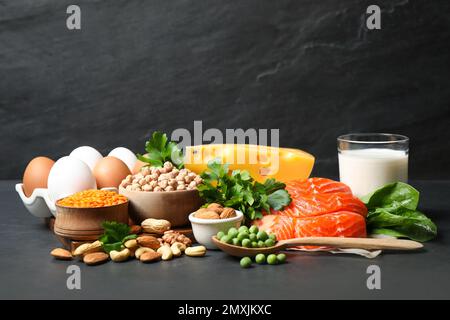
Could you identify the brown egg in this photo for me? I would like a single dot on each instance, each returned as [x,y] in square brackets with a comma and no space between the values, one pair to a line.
[36,174]
[110,171]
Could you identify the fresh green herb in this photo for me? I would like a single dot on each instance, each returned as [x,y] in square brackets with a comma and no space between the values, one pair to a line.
[115,235]
[241,192]
[392,211]
[160,149]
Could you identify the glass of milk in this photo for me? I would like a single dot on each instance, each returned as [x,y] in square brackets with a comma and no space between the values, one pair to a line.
[368,161]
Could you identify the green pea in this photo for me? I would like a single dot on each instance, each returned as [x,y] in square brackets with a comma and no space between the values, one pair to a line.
[254,244]
[226,239]
[243,229]
[246,243]
[242,235]
[261,244]
[252,237]
[272,259]
[253,229]
[273,237]
[236,241]
[220,234]
[246,262]
[262,235]
[232,232]
[260,258]
[281,257]
[269,243]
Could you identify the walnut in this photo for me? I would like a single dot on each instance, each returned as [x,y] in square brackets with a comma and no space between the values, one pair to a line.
[215,207]
[170,237]
[227,213]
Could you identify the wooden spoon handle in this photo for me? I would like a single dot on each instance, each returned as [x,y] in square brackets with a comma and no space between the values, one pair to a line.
[359,243]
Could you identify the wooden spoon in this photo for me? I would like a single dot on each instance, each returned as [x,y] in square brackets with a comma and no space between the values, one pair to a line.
[336,242]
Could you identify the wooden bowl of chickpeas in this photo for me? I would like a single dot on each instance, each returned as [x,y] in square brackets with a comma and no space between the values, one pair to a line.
[162,193]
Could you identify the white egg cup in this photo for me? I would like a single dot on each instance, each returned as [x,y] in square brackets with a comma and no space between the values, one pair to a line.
[39,203]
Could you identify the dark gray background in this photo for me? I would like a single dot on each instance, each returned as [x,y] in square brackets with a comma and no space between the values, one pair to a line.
[308,67]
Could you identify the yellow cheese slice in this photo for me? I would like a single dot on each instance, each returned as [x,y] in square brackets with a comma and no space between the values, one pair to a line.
[262,162]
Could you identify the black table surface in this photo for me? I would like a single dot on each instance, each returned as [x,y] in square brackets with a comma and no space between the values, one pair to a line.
[27,271]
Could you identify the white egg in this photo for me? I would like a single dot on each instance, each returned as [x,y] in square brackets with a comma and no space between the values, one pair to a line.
[88,155]
[125,155]
[68,176]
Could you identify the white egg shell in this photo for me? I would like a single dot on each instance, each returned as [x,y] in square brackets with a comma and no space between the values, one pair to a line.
[68,176]
[88,155]
[126,155]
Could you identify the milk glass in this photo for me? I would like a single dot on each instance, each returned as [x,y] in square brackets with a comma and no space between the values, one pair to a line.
[368,161]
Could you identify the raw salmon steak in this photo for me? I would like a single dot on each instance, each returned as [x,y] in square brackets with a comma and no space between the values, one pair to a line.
[320,208]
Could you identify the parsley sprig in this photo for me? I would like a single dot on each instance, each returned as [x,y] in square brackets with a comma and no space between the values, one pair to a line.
[241,192]
[115,235]
[160,149]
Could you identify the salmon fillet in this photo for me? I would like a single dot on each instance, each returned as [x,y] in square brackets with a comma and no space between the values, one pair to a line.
[320,208]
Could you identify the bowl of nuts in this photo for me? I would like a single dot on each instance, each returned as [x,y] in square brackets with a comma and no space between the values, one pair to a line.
[207,222]
[162,193]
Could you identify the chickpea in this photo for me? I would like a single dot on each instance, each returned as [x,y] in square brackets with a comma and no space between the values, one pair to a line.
[145,171]
[169,188]
[142,181]
[192,185]
[153,184]
[158,189]
[147,188]
[180,178]
[181,187]
[187,179]
[168,165]
[129,187]
[154,176]
[163,184]
[198,179]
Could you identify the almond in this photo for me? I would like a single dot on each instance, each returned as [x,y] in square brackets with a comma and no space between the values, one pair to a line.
[215,207]
[150,256]
[148,241]
[227,213]
[61,254]
[208,214]
[92,259]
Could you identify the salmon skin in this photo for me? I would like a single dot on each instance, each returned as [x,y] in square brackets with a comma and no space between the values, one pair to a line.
[320,207]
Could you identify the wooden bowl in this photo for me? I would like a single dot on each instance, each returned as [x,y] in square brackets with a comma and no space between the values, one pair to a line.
[174,206]
[86,223]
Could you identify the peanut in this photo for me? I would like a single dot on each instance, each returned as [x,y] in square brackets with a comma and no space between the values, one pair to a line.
[119,256]
[86,248]
[155,225]
[197,251]
[166,253]
[61,254]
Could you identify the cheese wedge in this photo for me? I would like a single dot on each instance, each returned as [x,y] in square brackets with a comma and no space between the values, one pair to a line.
[262,162]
